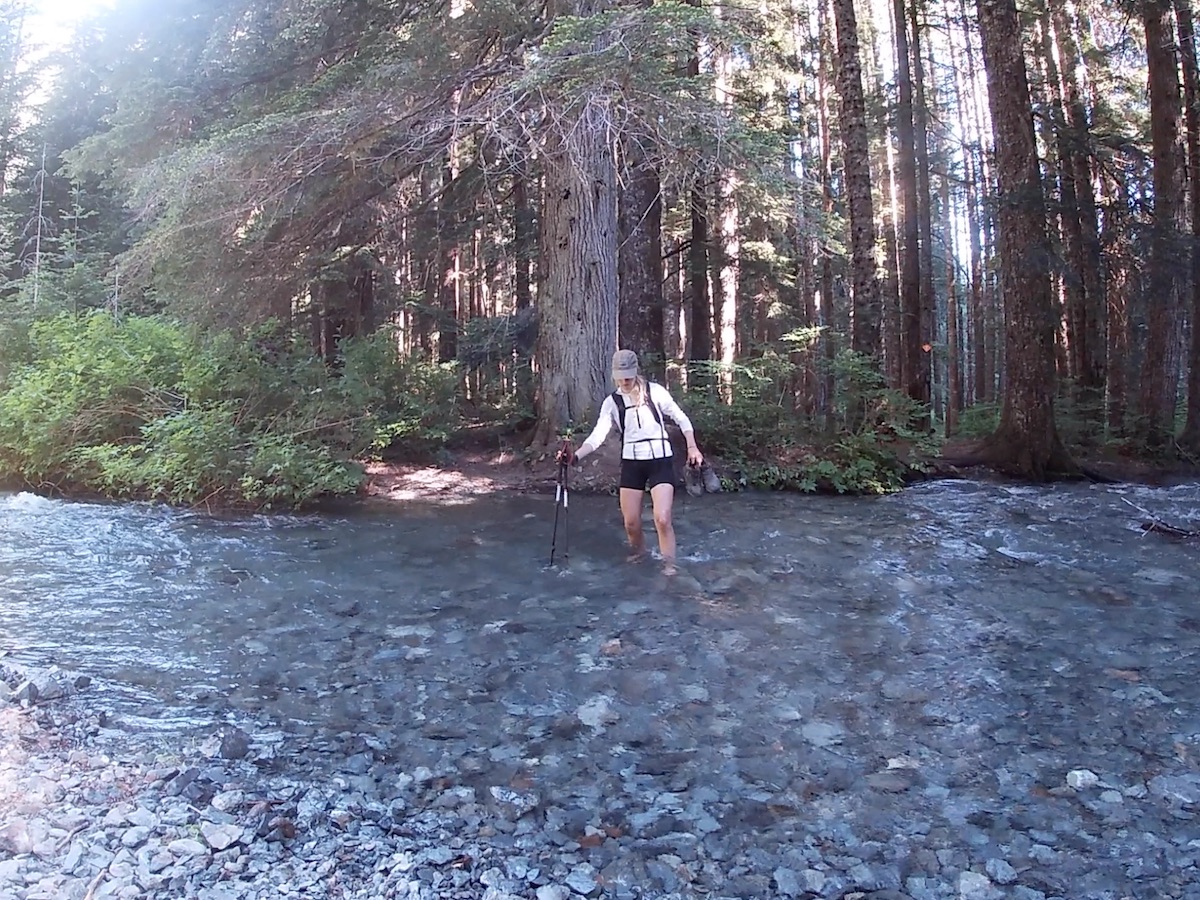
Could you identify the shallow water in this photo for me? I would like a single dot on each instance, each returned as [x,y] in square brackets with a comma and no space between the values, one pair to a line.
[179,613]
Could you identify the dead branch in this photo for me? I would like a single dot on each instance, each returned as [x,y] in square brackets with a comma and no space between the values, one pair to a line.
[1156,526]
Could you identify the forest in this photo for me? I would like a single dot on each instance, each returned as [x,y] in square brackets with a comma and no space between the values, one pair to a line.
[248,244]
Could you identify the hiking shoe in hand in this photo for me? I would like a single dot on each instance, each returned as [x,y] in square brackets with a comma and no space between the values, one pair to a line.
[693,480]
[712,483]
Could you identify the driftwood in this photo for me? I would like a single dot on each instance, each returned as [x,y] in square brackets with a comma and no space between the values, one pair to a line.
[1154,525]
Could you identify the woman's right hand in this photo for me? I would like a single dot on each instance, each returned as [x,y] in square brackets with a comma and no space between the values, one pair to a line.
[565,454]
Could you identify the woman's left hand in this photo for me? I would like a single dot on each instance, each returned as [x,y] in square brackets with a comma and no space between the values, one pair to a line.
[695,457]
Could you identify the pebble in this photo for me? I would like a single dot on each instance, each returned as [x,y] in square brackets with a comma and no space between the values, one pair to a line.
[1001,872]
[1082,779]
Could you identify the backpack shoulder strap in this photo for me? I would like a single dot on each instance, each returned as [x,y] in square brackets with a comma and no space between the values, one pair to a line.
[653,406]
[619,412]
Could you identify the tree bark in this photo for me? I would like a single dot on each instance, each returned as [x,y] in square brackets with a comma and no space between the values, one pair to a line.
[856,162]
[1026,442]
[1157,389]
[577,305]
[641,265]
[911,357]
[1190,439]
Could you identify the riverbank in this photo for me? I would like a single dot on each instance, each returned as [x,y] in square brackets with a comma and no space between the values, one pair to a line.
[91,810]
[473,470]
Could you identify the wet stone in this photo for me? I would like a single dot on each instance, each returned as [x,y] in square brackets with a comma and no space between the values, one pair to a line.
[1082,779]
[1184,788]
[973,886]
[894,780]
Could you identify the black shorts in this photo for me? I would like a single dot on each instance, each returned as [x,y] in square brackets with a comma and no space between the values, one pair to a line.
[644,474]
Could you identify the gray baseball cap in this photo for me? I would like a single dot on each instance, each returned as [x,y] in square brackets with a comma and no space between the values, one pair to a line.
[625,364]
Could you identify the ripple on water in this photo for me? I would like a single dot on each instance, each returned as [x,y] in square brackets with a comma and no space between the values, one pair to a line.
[161,600]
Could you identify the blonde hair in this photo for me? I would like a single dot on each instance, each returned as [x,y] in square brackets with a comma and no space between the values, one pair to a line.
[639,392]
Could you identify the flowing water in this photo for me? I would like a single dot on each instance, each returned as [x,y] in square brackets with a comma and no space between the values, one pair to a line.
[176,612]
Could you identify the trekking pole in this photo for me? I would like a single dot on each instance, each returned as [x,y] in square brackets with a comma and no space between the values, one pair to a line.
[560,503]
[566,477]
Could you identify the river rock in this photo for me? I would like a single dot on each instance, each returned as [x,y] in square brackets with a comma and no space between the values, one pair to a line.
[219,837]
[1082,779]
[187,847]
[1181,788]
[973,886]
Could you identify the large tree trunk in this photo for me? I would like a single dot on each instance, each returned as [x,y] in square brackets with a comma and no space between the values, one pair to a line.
[1026,443]
[449,266]
[577,305]
[856,162]
[1191,93]
[524,246]
[911,357]
[1117,289]
[700,318]
[927,321]
[1088,267]
[641,266]
[1157,389]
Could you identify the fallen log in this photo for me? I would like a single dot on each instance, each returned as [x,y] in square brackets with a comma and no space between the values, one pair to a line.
[1154,525]
[1171,531]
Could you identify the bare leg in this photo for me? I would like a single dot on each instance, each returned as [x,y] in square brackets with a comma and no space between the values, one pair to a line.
[662,496]
[631,512]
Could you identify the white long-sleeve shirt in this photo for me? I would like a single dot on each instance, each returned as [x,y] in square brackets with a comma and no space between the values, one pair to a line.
[644,438]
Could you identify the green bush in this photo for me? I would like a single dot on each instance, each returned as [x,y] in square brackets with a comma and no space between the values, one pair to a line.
[412,403]
[146,408]
[873,446]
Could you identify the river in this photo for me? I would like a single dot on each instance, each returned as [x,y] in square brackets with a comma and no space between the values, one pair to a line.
[931,664]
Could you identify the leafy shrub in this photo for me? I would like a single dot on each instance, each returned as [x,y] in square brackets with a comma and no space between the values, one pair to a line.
[410,403]
[149,409]
[873,448]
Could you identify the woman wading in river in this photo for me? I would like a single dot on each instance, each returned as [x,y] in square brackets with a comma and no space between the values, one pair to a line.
[637,409]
